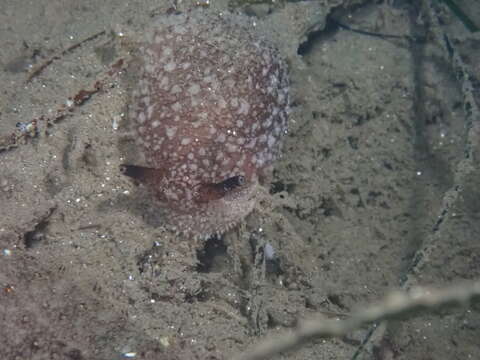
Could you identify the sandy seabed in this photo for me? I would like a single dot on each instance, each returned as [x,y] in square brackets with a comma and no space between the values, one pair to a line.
[87,270]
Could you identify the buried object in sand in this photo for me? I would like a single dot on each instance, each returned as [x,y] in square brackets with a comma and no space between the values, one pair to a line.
[209,109]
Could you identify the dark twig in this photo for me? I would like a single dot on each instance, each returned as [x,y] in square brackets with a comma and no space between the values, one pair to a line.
[38,69]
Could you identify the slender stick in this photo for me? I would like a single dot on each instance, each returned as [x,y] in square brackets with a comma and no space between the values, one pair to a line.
[395,306]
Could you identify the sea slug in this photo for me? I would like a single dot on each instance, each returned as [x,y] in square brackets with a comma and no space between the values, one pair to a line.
[209,109]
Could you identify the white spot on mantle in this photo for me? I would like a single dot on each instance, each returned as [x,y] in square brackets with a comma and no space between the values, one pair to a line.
[171,132]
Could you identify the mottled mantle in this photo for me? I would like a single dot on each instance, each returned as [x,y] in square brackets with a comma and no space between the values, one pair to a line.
[210,109]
